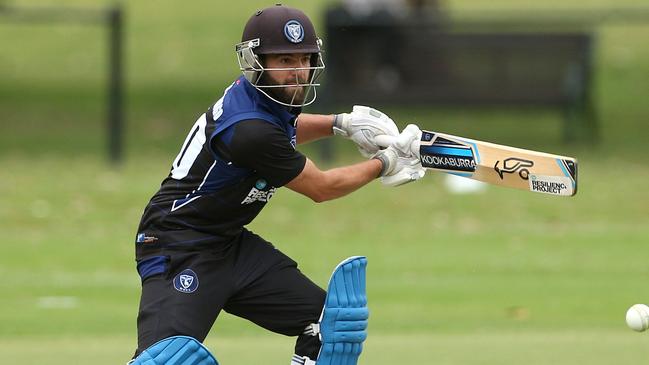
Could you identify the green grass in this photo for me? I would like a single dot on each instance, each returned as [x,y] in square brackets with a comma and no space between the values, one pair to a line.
[510,275]
[488,348]
[505,277]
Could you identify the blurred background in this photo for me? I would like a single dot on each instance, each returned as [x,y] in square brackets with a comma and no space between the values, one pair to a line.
[495,276]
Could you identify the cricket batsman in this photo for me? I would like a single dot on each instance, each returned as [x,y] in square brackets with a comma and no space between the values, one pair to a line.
[194,255]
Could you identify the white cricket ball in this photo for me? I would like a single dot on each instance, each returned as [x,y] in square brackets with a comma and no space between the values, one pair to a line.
[637,317]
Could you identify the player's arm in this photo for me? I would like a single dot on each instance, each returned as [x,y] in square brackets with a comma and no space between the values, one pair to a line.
[392,164]
[326,185]
[361,126]
[265,148]
[311,127]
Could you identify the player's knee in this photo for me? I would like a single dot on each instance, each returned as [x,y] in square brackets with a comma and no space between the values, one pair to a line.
[310,309]
[317,303]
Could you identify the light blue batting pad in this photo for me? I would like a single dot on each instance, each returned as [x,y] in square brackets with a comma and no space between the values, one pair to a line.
[343,323]
[177,350]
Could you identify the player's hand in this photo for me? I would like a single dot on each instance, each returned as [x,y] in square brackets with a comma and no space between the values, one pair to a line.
[408,141]
[400,159]
[362,125]
[398,169]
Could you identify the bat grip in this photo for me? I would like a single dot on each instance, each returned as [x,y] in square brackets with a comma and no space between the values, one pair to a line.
[386,141]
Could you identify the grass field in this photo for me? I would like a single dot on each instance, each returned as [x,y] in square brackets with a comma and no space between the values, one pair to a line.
[507,274]
[505,277]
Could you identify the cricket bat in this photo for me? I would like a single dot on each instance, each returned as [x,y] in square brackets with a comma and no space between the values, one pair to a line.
[495,164]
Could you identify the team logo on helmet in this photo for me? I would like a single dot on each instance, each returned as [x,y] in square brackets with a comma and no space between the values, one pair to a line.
[293,31]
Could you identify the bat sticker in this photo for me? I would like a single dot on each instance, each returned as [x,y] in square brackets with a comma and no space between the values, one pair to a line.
[447,155]
[555,185]
[513,164]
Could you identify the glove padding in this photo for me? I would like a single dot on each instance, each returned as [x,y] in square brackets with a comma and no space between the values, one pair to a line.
[362,125]
[407,143]
[399,170]
[401,164]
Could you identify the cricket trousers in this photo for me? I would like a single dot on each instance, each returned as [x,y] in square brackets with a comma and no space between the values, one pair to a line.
[185,288]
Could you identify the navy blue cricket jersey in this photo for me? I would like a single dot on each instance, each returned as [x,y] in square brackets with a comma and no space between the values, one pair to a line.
[234,158]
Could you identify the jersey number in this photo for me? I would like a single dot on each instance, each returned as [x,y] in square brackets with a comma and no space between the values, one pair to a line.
[193,144]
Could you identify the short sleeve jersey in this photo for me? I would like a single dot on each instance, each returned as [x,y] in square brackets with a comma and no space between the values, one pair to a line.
[234,158]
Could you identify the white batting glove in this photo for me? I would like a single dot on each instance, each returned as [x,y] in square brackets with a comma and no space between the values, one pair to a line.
[408,141]
[398,169]
[362,125]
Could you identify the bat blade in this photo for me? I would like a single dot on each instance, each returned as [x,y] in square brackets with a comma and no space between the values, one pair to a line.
[499,165]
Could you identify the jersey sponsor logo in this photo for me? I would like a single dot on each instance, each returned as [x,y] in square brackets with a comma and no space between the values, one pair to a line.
[260,184]
[293,31]
[143,238]
[258,195]
[186,281]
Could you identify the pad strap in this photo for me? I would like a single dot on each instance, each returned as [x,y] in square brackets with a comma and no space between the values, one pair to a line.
[302,360]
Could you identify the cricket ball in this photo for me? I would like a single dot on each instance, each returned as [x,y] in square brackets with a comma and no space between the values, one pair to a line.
[637,317]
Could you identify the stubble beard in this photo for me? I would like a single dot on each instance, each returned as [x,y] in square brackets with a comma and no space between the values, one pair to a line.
[289,94]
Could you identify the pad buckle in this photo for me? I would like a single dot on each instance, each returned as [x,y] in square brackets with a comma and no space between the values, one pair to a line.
[313,329]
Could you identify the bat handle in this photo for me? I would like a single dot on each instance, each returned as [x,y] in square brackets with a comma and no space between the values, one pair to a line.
[386,141]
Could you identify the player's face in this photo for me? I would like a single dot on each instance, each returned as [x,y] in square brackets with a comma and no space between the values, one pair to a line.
[296,72]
